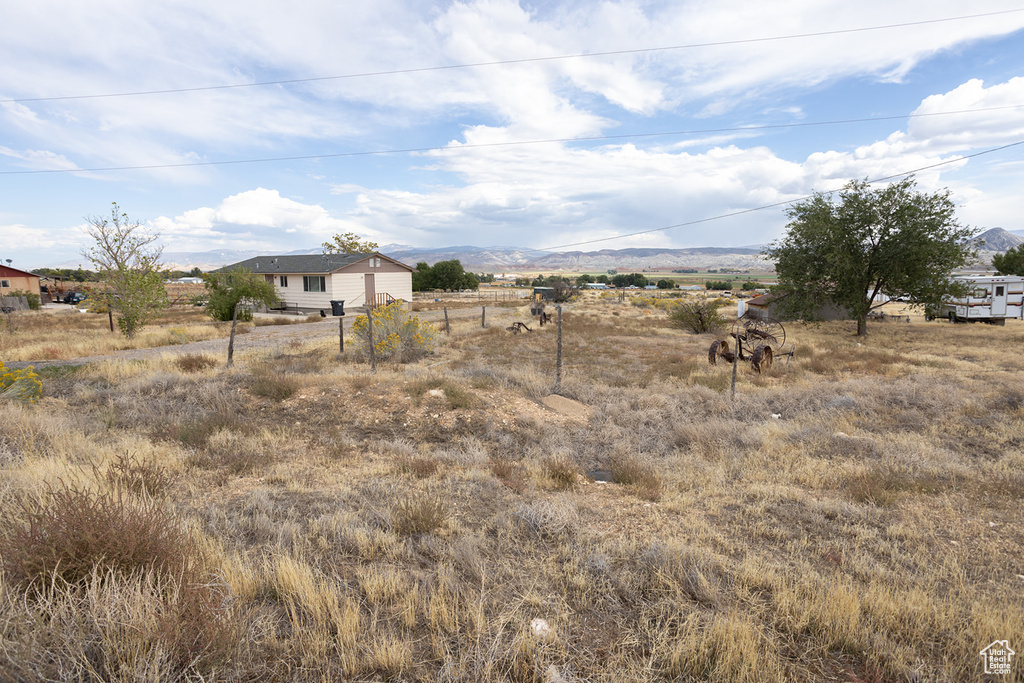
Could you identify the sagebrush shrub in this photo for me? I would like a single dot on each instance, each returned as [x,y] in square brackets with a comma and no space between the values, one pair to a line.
[397,335]
[69,533]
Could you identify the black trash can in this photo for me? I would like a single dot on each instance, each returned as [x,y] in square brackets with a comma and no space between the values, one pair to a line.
[338,307]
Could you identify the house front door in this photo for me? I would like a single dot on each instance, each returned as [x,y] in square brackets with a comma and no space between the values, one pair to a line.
[370,292]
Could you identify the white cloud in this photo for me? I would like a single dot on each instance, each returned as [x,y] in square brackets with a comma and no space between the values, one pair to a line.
[255,219]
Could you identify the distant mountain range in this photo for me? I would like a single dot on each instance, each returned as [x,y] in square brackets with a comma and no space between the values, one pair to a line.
[515,259]
[511,259]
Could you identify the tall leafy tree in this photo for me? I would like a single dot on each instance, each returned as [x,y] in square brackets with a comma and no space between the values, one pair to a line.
[448,275]
[891,240]
[127,256]
[1010,262]
[349,243]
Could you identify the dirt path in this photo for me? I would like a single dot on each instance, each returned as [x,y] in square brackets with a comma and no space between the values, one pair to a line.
[270,337]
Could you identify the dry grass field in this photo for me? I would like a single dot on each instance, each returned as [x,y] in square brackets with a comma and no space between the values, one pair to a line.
[854,516]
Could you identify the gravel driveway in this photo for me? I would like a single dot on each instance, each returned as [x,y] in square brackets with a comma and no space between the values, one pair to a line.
[270,337]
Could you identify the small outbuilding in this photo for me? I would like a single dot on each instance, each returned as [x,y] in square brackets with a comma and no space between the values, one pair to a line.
[309,282]
[765,306]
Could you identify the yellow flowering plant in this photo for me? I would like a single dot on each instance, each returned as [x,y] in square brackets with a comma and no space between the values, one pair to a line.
[20,385]
[397,335]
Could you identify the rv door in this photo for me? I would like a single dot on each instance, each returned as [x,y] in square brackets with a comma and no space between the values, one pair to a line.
[999,300]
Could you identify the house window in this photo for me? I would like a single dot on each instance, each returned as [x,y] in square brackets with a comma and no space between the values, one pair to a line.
[5,284]
[314,283]
[269,278]
[284,280]
[378,262]
[980,293]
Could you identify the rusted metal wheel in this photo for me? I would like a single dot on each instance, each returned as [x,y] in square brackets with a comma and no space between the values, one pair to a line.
[756,331]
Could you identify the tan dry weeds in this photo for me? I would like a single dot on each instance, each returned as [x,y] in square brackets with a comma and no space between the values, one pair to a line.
[869,532]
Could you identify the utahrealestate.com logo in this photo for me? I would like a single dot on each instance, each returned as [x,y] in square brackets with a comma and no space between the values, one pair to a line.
[998,656]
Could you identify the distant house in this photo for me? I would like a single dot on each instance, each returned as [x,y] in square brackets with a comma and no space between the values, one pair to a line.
[310,282]
[14,280]
[595,285]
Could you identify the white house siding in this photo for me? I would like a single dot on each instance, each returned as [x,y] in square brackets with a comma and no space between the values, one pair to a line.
[398,285]
[294,297]
[348,287]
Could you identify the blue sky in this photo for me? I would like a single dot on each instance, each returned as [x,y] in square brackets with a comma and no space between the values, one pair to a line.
[473,187]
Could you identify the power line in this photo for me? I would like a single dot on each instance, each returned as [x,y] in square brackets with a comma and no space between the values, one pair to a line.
[525,60]
[484,145]
[776,204]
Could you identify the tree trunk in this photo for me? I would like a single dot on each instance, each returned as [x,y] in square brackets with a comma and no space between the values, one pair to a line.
[862,326]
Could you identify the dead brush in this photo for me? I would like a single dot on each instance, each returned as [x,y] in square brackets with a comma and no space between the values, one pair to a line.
[561,471]
[196,433]
[420,468]
[455,396]
[418,514]
[509,473]
[194,362]
[629,470]
[69,533]
[141,477]
[273,384]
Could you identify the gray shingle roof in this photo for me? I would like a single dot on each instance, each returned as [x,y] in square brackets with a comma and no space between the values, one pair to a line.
[301,263]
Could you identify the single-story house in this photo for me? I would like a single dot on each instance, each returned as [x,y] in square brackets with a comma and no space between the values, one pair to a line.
[14,280]
[309,282]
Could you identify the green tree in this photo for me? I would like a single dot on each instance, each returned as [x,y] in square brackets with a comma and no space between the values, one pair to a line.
[447,275]
[226,290]
[348,243]
[666,284]
[697,316]
[584,279]
[128,260]
[1011,262]
[196,272]
[892,240]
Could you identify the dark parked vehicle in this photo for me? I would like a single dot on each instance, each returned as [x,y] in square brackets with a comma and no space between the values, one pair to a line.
[74,298]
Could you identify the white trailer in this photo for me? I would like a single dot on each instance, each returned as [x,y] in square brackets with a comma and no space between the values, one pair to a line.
[990,299]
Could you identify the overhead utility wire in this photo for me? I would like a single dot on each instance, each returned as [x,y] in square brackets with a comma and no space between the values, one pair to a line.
[776,204]
[525,60]
[482,145]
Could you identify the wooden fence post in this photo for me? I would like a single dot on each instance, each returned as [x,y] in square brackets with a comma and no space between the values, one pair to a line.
[231,339]
[483,316]
[369,330]
[558,354]
[447,325]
